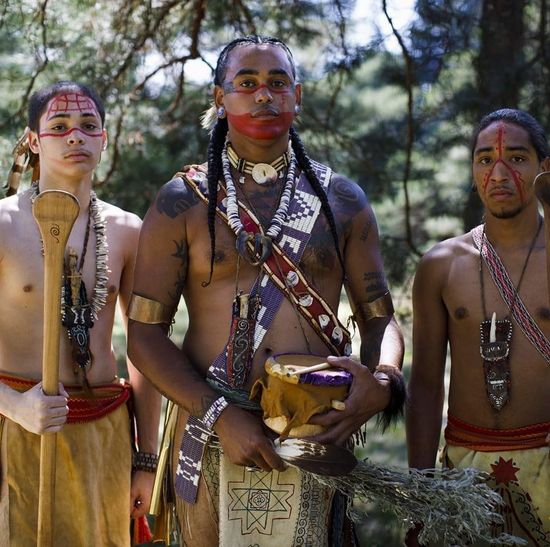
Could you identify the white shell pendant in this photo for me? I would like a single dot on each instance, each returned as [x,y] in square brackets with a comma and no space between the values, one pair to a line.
[323,320]
[263,172]
[292,279]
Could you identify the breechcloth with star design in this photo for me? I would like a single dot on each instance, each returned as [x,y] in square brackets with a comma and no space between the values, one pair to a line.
[518,464]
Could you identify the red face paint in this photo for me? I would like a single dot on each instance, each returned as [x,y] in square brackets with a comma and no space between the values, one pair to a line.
[228,87]
[64,105]
[71,102]
[98,133]
[515,175]
[264,128]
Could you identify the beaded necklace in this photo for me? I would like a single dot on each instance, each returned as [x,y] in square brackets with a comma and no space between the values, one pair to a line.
[77,314]
[262,173]
[262,243]
[97,220]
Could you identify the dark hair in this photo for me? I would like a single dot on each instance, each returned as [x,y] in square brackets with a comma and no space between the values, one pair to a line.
[521,119]
[217,142]
[39,99]
[253,39]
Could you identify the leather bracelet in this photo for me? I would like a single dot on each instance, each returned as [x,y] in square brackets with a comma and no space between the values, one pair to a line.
[145,461]
[213,413]
[398,395]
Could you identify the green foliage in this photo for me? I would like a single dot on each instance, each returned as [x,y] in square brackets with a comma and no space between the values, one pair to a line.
[152,63]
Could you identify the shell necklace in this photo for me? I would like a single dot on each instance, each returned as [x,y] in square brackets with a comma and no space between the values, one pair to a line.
[262,243]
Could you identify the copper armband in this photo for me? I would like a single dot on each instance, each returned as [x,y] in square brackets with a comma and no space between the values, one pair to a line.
[381,307]
[145,310]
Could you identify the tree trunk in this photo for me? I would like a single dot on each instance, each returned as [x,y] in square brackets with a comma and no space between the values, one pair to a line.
[498,66]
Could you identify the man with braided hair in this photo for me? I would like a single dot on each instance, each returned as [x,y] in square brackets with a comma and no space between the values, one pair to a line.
[259,242]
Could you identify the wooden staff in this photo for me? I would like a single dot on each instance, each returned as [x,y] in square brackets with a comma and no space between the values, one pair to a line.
[542,191]
[55,212]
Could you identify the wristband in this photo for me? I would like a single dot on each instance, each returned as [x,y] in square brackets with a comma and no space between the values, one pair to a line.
[145,461]
[213,413]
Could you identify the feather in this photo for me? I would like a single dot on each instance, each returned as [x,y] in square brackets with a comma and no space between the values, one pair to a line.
[316,458]
[209,118]
[23,160]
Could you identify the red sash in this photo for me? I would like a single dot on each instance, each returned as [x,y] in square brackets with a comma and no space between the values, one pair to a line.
[105,398]
[279,267]
[460,433]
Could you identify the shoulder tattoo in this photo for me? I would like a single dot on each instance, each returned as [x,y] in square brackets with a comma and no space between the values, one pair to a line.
[175,198]
[349,198]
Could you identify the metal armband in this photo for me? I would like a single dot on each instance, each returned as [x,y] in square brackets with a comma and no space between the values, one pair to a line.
[381,307]
[145,310]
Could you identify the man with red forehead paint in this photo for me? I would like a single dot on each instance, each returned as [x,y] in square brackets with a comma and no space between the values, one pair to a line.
[96,492]
[485,293]
[259,241]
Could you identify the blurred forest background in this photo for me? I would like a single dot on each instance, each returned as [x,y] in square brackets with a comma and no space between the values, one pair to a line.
[390,100]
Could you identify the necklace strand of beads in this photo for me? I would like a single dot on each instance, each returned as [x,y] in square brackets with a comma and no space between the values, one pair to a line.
[99,294]
[280,214]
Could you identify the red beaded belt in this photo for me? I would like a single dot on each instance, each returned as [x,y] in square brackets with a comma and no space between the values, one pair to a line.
[104,398]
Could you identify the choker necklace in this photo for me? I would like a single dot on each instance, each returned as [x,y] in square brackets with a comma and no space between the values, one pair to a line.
[77,314]
[496,336]
[262,243]
[262,173]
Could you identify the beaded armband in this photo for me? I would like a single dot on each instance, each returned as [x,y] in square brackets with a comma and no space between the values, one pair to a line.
[213,413]
[381,307]
[398,395]
[145,310]
[145,461]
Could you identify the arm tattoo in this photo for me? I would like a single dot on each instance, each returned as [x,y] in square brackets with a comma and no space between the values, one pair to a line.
[206,403]
[375,283]
[175,198]
[181,254]
[366,230]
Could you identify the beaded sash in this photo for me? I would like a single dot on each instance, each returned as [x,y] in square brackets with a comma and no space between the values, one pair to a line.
[271,287]
[506,289]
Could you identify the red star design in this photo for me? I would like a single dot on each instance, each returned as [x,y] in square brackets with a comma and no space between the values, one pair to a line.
[504,471]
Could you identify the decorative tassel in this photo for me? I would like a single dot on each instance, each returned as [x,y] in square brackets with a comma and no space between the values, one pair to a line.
[141,532]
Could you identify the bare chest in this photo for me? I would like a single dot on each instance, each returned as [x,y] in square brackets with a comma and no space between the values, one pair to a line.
[318,257]
[22,270]
[472,293]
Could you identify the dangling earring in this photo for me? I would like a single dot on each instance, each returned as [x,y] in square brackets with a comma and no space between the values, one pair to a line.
[297,109]
[220,112]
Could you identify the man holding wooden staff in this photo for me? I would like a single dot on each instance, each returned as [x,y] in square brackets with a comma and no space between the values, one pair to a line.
[96,492]
[254,289]
[485,293]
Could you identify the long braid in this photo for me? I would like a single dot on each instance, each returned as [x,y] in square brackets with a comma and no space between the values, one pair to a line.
[219,132]
[305,165]
[215,147]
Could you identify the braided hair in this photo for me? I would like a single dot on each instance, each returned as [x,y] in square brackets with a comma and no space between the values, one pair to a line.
[217,143]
